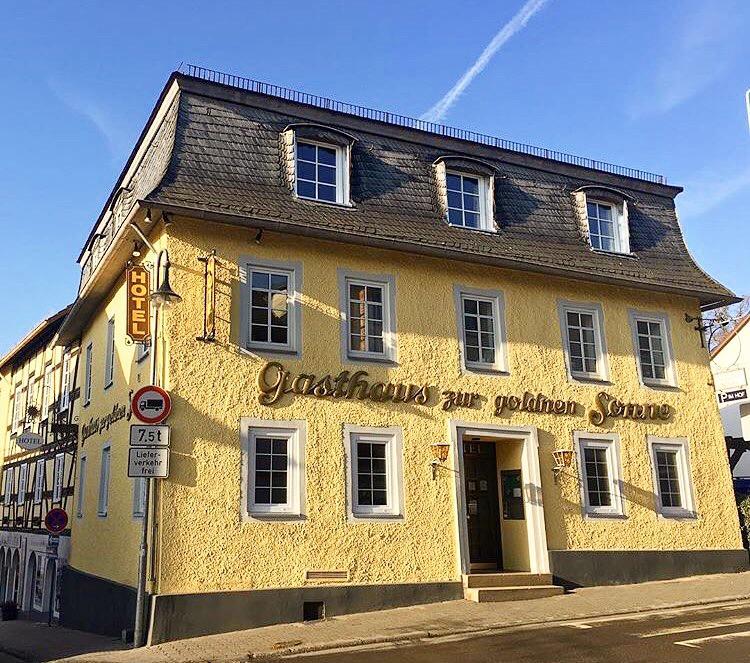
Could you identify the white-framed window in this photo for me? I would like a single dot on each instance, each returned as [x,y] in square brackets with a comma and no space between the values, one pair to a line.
[653,348]
[273,468]
[469,204]
[19,408]
[374,472]
[65,383]
[142,350]
[673,486]
[39,478]
[608,227]
[584,342]
[87,374]
[271,306]
[368,316]
[109,360]
[58,477]
[600,473]
[104,471]
[139,497]
[321,172]
[48,390]
[481,323]
[82,462]
[9,481]
[23,478]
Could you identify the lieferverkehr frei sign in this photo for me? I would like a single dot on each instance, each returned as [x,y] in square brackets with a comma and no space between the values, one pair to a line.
[148,462]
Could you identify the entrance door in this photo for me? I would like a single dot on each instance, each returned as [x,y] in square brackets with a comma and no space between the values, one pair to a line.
[482,511]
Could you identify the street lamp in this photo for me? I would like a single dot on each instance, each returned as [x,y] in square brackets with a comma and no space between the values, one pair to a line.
[164,297]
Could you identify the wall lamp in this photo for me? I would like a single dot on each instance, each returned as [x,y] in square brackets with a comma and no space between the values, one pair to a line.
[562,458]
[164,297]
[439,456]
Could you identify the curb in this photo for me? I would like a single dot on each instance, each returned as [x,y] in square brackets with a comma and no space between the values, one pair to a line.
[411,637]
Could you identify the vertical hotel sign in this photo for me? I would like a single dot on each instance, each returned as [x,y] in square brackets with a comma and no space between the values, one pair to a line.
[139,312]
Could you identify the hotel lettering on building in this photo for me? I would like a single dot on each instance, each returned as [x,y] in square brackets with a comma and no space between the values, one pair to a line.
[403,356]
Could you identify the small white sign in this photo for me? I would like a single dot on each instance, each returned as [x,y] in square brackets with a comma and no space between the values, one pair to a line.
[30,441]
[732,395]
[143,435]
[149,462]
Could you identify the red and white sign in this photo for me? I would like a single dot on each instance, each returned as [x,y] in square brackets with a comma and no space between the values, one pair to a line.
[151,404]
[56,520]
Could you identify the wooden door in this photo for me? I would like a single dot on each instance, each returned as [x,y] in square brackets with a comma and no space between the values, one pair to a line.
[482,510]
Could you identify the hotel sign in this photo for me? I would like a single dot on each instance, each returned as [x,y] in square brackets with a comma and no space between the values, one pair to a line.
[138,324]
[274,381]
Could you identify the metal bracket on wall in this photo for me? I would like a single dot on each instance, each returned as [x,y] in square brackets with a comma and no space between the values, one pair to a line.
[209,298]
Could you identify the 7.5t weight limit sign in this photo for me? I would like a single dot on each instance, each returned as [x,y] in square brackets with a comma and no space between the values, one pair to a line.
[145,435]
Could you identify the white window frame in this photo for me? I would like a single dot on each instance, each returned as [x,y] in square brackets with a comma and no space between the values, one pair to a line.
[486,222]
[681,446]
[139,497]
[296,433]
[602,358]
[496,298]
[87,375]
[109,360]
[388,284]
[293,270]
[19,407]
[9,484]
[619,223]
[23,479]
[105,471]
[81,479]
[40,472]
[65,382]
[393,438]
[611,443]
[48,391]
[343,155]
[670,369]
[58,477]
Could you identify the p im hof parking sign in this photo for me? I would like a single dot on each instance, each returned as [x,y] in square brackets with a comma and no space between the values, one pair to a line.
[148,456]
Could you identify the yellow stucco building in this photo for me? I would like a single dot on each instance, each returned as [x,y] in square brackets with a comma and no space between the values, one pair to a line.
[408,364]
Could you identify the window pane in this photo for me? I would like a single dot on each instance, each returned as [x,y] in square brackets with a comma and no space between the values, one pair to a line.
[326,174]
[454,199]
[453,182]
[279,282]
[471,185]
[259,333]
[471,220]
[260,280]
[305,171]
[260,297]
[306,189]
[327,156]
[326,192]
[455,217]
[374,294]
[306,151]
[471,203]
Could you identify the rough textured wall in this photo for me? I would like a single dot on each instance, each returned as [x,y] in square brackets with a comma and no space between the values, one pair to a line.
[108,546]
[206,546]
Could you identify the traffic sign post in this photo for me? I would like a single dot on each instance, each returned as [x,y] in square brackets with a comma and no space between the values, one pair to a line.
[151,405]
[146,435]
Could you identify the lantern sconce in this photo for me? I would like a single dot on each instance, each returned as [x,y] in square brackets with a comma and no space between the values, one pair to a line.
[439,456]
[562,458]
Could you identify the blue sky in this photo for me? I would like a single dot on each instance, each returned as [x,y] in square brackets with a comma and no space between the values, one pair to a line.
[655,85]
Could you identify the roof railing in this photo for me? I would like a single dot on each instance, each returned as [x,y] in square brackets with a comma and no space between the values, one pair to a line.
[288,94]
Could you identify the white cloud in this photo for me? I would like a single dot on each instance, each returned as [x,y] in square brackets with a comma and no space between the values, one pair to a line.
[701,50]
[115,136]
[701,196]
[439,110]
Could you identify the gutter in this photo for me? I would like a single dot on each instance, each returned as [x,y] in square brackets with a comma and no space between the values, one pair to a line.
[708,300]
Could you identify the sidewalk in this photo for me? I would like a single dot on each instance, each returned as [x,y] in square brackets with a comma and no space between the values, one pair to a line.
[452,617]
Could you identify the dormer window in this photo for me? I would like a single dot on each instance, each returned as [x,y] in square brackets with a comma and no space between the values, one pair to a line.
[466,186]
[317,162]
[603,214]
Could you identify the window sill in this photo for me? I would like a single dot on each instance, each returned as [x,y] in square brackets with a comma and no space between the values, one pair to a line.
[249,516]
[376,517]
[327,203]
[588,515]
[590,380]
[485,370]
[660,386]
[364,359]
[486,231]
[619,254]
[677,516]
[107,386]
[279,352]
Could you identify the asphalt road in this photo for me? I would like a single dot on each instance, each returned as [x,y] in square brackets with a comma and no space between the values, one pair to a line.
[720,634]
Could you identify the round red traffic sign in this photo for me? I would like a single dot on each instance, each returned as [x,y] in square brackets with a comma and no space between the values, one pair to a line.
[56,520]
[151,404]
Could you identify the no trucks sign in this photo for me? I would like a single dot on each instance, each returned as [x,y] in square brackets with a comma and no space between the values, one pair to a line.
[151,405]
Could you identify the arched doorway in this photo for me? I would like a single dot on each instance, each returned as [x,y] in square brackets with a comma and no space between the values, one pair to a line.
[4,562]
[13,572]
[50,589]
[29,580]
